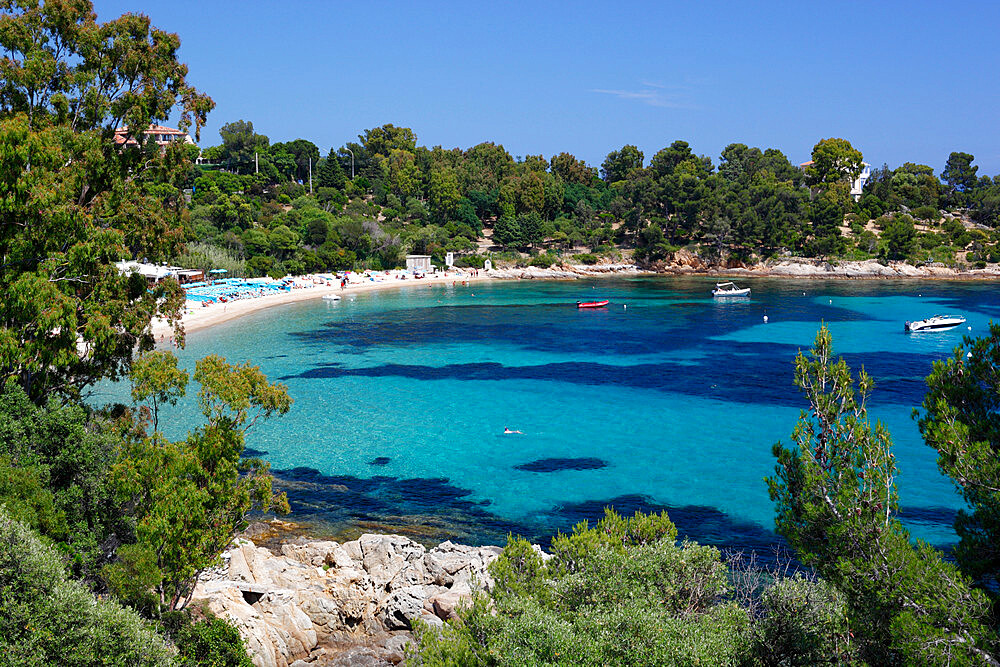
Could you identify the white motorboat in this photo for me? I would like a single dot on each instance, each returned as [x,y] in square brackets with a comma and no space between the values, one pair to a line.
[729,289]
[332,297]
[936,323]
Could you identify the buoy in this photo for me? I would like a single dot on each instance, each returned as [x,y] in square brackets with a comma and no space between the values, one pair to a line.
[625,306]
[831,300]
[803,294]
[765,319]
[970,328]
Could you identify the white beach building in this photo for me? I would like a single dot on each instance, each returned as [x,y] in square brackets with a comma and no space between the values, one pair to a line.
[419,264]
[154,273]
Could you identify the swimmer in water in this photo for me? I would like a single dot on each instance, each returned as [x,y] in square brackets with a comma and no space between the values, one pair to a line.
[507,430]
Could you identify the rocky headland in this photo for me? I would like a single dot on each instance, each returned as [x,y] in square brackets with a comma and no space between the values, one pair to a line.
[685,262]
[312,602]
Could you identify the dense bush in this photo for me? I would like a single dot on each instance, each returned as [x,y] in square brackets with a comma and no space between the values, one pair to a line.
[543,260]
[585,258]
[53,467]
[804,623]
[48,619]
[928,213]
[621,593]
[209,641]
[470,261]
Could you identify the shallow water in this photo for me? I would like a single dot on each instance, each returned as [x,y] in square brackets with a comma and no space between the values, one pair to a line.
[666,398]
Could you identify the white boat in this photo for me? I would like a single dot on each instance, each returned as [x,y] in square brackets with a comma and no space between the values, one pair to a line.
[936,323]
[332,297]
[729,289]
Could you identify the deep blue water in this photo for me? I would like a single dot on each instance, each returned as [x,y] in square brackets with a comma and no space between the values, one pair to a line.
[665,399]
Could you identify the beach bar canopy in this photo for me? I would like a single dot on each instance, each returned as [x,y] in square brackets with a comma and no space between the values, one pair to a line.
[219,271]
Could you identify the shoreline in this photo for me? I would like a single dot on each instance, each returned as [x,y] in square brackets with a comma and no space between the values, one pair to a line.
[195,319]
[684,265]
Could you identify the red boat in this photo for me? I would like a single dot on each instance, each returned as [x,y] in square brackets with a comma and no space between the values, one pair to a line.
[591,304]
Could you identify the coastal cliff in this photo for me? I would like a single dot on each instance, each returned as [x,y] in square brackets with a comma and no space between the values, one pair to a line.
[326,603]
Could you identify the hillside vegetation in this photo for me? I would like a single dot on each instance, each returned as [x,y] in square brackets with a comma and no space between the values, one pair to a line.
[254,211]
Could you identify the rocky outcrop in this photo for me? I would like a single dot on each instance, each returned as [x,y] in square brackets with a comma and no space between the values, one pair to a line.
[321,602]
[532,273]
[685,262]
[565,271]
[816,268]
[680,262]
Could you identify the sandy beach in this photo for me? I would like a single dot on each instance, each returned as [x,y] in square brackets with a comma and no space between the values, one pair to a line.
[202,317]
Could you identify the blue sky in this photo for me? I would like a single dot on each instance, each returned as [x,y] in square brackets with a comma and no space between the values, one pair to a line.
[903,81]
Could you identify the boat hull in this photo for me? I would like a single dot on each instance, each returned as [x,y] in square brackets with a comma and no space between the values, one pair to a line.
[591,304]
[933,325]
[726,294]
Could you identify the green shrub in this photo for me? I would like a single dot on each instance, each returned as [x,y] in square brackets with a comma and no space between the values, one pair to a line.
[928,213]
[943,254]
[53,476]
[48,619]
[856,255]
[470,261]
[613,532]
[931,240]
[585,258]
[805,623]
[133,577]
[632,597]
[505,257]
[212,642]
[543,260]
[519,571]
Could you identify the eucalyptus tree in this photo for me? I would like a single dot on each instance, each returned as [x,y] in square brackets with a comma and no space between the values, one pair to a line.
[76,200]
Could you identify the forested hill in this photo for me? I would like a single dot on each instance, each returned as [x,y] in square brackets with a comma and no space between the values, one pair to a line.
[384,196]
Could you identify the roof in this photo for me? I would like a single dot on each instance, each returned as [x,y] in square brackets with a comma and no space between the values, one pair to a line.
[154,271]
[122,133]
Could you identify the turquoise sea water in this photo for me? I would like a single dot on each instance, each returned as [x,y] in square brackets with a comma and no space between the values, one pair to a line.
[666,398]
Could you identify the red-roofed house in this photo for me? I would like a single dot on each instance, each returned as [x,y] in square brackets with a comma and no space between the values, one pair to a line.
[160,134]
